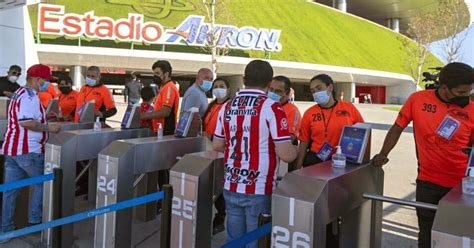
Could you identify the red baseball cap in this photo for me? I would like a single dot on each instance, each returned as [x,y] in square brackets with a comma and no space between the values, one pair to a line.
[41,71]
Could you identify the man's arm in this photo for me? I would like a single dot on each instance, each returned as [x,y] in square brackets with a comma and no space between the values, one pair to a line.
[40,127]
[286,151]
[164,112]
[8,94]
[218,144]
[302,149]
[389,143]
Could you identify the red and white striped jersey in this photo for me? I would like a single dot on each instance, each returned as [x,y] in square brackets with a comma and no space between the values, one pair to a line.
[251,124]
[24,106]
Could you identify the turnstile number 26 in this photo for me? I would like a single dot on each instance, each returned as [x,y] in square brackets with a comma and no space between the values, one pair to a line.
[290,229]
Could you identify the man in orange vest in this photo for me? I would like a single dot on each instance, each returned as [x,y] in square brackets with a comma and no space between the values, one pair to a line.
[280,91]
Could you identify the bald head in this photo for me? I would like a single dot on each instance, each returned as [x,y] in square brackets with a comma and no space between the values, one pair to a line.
[204,74]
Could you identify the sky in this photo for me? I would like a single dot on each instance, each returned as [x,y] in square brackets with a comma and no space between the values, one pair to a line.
[467,50]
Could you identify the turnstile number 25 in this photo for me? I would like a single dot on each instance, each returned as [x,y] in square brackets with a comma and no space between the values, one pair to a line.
[183,207]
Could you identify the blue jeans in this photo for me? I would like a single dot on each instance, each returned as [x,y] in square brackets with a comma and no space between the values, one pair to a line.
[242,213]
[17,168]
[133,101]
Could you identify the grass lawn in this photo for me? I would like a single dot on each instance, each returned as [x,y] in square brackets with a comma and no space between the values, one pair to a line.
[310,33]
[393,108]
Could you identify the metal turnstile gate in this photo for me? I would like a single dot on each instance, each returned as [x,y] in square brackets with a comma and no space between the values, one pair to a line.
[63,151]
[454,221]
[118,166]
[307,200]
[196,178]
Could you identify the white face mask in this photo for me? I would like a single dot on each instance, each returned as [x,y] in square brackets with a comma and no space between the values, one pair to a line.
[13,79]
[219,93]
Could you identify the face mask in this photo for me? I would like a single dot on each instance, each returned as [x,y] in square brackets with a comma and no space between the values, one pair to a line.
[461,101]
[206,85]
[321,97]
[65,89]
[44,87]
[13,79]
[91,82]
[274,96]
[157,80]
[219,93]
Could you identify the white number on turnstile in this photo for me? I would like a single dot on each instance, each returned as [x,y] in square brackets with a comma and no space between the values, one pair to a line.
[282,238]
[183,208]
[48,167]
[105,186]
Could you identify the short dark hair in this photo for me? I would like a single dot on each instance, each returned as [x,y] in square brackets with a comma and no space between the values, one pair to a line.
[65,78]
[15,67]
[164,65]
[284,80]
[455,74]
[147,93]
[258,73]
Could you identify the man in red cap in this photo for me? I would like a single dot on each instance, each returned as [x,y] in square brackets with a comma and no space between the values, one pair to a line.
[26,135]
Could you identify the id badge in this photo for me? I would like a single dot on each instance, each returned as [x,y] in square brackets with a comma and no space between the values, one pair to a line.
[448,127]
[325,152]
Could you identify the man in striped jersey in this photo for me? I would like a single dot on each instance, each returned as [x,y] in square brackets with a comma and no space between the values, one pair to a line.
[27,132]
[253,132]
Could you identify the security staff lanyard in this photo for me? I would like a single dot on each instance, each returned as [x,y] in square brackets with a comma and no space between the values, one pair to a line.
[326,125]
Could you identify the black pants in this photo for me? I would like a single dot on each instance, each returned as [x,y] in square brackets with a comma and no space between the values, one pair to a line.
[292,165]
[220,205]
[311,159]
[163,178]
[430,193]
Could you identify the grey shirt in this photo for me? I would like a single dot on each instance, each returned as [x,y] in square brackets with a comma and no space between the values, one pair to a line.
[194,97]
[132,89]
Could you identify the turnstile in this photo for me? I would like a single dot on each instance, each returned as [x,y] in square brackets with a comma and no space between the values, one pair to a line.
[454,221]
[307,200]
[118,166]
[63,151]
[196,178]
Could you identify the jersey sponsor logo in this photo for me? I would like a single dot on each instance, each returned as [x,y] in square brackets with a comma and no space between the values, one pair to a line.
[341,113]
[284,124]
[459,113]
[238,112]
[438,143]
[241,176]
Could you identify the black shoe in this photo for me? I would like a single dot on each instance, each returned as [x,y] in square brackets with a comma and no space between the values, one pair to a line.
[218,224]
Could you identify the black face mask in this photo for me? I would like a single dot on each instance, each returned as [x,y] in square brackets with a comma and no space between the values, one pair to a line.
[65,89]
[461,101]
[157,80]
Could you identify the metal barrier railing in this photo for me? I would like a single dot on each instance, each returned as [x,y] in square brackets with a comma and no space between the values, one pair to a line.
[415,204]
[165,195]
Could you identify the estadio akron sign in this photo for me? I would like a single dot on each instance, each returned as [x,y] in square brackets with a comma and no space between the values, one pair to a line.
[193,31]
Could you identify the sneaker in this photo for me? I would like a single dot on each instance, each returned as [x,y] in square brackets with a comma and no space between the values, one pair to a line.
[218,224]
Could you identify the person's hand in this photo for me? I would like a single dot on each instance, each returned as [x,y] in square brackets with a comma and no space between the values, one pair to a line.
[379,160]
[67,118]
[54,128]
[99,114]
[8,94]
[52,115]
